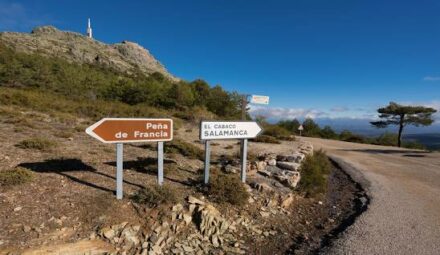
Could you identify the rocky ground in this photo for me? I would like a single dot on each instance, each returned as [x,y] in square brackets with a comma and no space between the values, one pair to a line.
[69,206]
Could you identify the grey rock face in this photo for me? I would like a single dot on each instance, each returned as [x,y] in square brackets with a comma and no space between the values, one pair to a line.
[78,48]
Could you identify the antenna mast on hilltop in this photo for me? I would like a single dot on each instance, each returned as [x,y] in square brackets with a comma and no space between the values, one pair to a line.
[89,29]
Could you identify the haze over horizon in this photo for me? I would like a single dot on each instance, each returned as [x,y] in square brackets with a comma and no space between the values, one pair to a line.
[334,62]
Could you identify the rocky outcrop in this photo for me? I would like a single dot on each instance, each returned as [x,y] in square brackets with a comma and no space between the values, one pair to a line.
[77,48]
[283,168]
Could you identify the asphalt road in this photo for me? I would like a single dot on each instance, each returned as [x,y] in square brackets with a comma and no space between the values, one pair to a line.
[404,187]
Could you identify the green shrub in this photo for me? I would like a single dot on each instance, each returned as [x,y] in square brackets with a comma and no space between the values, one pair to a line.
[348,136]
[153,196]
[387,139]
[195,114]
[314,171]
[328,133]
[265,139]
[227,188]
[275,131]
[287,138]
[290,125]
[311,128]
[15,176]
[186,149]
[38,143]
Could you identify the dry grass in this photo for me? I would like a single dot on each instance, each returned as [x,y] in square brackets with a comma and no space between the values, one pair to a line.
[38,143]
[15,176]
[265,139]
[64,134]
[184,148]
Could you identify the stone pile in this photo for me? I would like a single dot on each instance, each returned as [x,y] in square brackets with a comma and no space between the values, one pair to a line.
[283,168]
[196,229]
[211,230]
[123,236]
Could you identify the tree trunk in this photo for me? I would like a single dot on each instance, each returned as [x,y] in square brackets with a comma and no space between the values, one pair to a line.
[399,136]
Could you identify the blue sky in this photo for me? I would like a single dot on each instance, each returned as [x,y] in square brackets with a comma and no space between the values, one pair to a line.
[324,59]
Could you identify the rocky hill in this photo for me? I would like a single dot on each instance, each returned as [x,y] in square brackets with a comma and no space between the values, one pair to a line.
[75,47]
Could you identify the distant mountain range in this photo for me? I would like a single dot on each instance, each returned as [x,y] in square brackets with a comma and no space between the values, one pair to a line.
[428,136]
[431,141]
[363,127]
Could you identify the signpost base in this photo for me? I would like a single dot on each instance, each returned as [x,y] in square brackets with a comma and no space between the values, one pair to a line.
[119,170]
[160,163]
[244,144]
[207,158]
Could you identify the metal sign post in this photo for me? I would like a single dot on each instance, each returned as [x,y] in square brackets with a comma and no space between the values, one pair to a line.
[207,158]
[243,144]
[129,130]
[119,170]
[160,163]
[243,160]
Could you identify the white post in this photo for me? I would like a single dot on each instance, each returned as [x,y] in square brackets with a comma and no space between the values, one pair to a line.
[160,163]
[243,160]
[119,170]
[207,158]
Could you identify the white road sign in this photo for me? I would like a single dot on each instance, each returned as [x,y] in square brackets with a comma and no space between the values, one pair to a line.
[300,127]
[216,130]
[255,99]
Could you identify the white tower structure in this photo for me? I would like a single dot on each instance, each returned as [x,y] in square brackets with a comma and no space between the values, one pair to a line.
[89,30]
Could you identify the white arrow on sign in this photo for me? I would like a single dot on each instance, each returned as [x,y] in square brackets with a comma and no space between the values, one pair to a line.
[216,130]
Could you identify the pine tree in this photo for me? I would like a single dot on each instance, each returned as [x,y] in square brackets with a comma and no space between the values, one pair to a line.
[402,115]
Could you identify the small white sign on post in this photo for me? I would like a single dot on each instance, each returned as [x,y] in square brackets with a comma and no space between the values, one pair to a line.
[256,99]
[300,128]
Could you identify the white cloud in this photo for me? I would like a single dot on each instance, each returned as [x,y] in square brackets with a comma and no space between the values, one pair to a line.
[431,78]
[339,109]
[286,113]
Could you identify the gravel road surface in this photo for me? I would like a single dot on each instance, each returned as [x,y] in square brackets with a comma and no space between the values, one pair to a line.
[404,187]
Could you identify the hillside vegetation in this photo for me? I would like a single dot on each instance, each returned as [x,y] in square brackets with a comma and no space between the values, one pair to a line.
[48,83]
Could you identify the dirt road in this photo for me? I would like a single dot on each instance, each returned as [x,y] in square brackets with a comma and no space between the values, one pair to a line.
[404,212]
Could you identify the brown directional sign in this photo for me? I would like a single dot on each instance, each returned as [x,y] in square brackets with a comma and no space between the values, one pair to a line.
[126,130]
